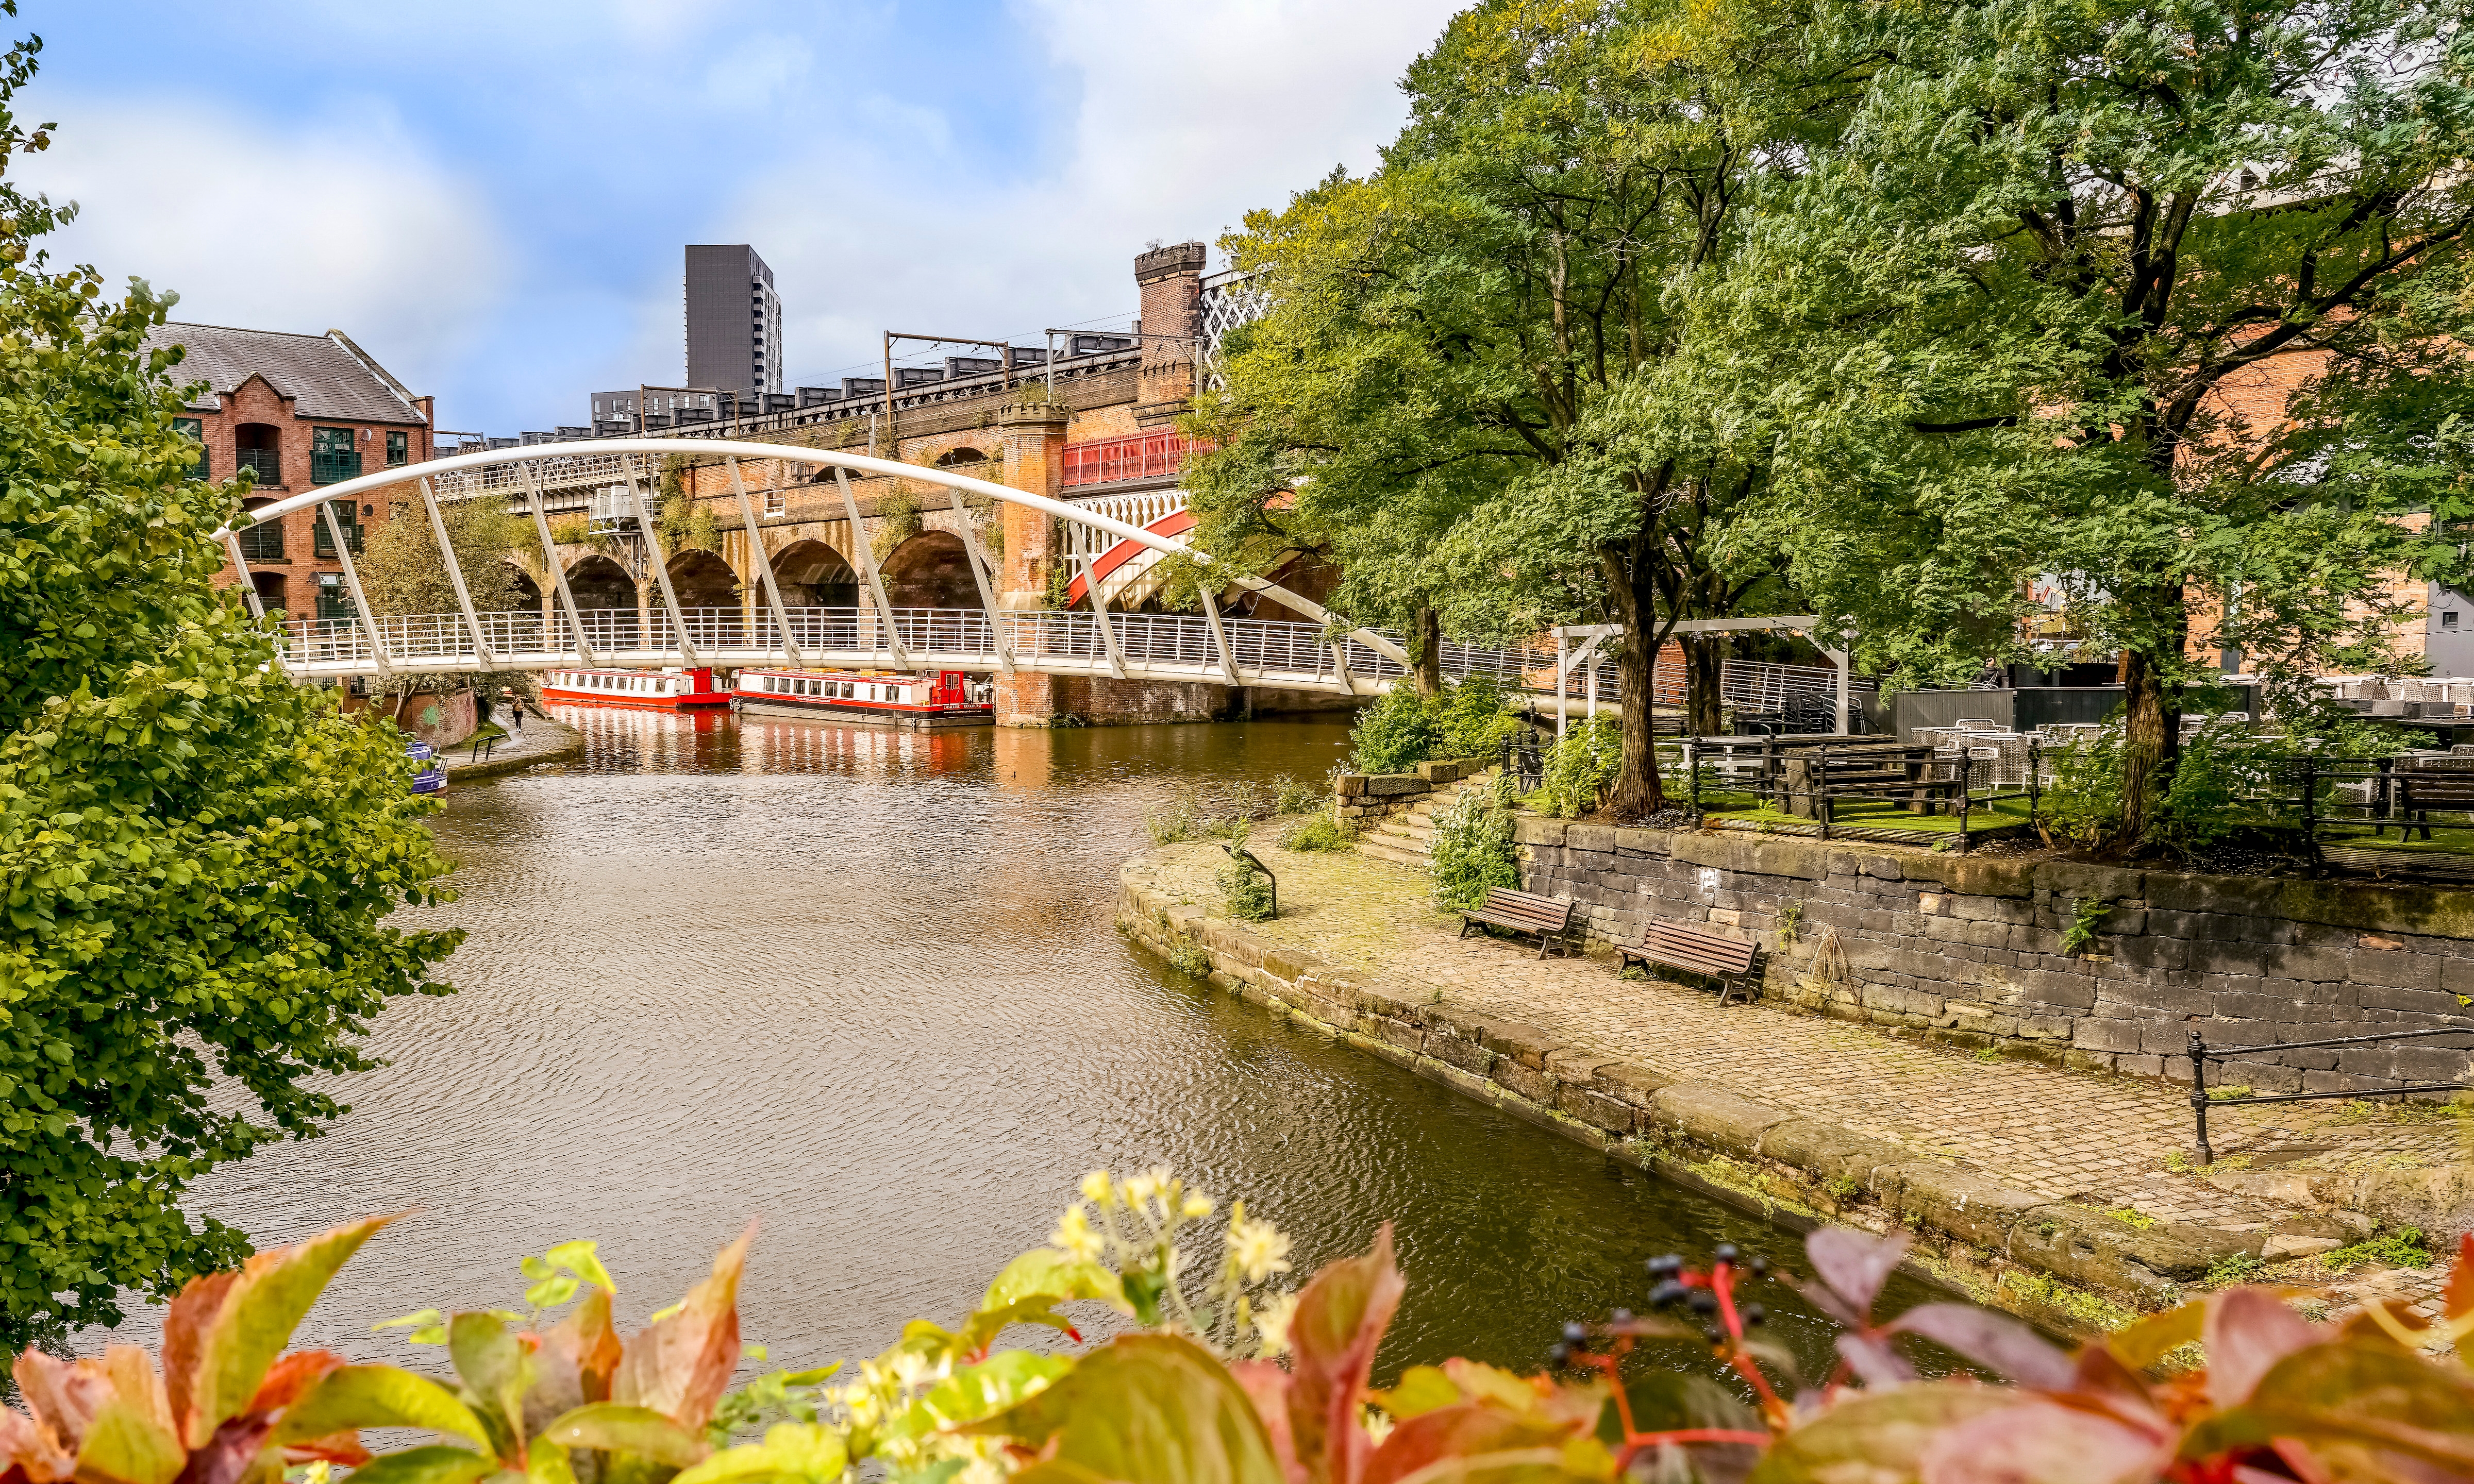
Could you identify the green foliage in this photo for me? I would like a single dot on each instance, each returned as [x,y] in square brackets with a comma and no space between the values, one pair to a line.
[1473,847]
[1291,796]
[2406,1247]
[897,520]
[1402,728]
[2083,805]
[1579,768]
[2087,914]
[1394,735]
[684,524]
[1223,813]
[1246,891]
[1316,832]
[2234,1269]
[200,855]
[572,531]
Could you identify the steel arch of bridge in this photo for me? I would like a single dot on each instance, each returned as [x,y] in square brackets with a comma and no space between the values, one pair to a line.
[1209,648]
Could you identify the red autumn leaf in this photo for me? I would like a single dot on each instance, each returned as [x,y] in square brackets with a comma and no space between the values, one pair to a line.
[680,1365]
[291,1376]
[1340,1319]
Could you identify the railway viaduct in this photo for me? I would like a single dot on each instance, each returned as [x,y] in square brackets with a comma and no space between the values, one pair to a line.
[1094,429]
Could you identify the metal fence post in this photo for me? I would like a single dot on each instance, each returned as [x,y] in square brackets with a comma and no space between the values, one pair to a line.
[1965,766]
[2311,814]
[1692,775]
[2199,1098]
[2035,781]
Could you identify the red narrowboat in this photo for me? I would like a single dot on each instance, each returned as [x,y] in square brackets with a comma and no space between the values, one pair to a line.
[870,698]
[643,690]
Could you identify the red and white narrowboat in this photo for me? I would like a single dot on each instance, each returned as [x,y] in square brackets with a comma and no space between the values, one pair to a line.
[643,690]
[870,698]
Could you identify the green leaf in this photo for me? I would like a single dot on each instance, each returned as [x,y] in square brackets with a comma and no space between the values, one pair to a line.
[260,1311]
[1422,1389]
[2370,1393]
[582,1258]
[627,1430]
[497,1372]
[123,1441]
[1877,1437]
[1058,1275]
[427,1466]
[790,1451]
[355,1396]
[1145,1407]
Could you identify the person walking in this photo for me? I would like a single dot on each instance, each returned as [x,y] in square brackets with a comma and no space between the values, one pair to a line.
[515,710]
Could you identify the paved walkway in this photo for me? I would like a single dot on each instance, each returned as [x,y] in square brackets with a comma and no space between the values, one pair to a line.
[2099,1141]
[542,739]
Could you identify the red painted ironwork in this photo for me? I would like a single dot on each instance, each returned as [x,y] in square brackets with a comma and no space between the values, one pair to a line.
[1108,461]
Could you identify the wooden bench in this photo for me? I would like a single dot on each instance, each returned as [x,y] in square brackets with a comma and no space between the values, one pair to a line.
[2419,791]
[1696,950]
[1522,912]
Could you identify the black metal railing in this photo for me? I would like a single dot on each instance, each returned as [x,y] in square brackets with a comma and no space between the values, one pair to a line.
[262,542]
[333,469]
[1811,778]
[2201,1054]
[1524,760]
[267,463]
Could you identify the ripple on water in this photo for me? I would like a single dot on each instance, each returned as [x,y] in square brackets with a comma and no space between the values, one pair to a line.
[867,987]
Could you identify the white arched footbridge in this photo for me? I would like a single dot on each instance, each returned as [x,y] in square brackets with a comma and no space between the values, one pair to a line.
[1325,655]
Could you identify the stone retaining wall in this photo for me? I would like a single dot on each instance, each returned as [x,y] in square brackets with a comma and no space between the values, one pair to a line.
[1797,1168]
[1968,948]
[1363,798]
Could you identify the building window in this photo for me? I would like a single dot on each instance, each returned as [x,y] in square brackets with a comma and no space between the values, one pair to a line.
[195,429]
[333,458]
[2448,618]
[262,542]
[399,449]
[334,599]
[777,501]
[348,515]
[257,449]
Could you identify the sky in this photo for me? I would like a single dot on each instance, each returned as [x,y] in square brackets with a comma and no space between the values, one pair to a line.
[492,198]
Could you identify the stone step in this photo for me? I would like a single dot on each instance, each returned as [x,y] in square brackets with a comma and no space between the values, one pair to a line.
[1383,847]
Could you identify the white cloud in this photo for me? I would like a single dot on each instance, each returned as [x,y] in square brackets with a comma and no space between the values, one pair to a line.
[1185,117]
[334,222]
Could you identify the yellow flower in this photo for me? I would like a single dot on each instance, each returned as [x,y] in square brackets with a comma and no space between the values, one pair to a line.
[1197,1207]
[1271,1323]
[1258,1248]
[1096,1188]
[1074,1235]
[1378,1426]
[1137,1190]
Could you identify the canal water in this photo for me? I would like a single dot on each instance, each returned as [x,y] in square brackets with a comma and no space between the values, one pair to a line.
[866,988]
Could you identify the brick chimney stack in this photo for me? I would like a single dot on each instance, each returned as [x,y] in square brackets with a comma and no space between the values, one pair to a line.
[1171,280]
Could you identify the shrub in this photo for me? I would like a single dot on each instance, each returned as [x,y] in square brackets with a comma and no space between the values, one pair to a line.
[2084,807]
[1473,847]
[1394,735]
[1223,813]
[1580,767]
[1316,832]
[1245,890]
[1401,730]
[1290,796]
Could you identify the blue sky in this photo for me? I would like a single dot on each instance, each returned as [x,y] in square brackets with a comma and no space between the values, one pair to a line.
[492,198]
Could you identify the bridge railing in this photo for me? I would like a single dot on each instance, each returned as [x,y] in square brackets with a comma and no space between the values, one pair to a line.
[1267,651]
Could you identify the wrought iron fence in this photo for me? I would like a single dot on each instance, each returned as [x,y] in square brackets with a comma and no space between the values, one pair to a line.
[2201,1054]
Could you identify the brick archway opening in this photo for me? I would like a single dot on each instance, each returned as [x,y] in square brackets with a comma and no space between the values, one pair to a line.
[703,580]
[815,575]
[930,570]
[597,581]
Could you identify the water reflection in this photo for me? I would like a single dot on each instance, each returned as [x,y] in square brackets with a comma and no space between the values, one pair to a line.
[865,985]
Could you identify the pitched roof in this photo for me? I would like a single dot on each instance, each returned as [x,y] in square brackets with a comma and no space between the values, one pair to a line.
[325,376]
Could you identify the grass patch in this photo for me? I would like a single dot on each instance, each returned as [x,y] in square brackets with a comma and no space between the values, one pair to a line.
[2137,1219]
[2402,1248]
[2231,1271]
[1869,813]
[1316,832]
[2086,1308]
[2224,1094]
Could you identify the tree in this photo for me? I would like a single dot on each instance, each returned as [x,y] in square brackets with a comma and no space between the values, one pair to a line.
[404,572]
[1468,376]
[2051,262]
[198,854]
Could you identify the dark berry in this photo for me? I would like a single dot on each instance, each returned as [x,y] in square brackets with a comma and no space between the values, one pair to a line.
[1702,1302]
[1666,1267]
[1726,1252]
[1666,1293]
[1760,1267]
[1623,1316]
[1755,1314]
[1577,1335]
[1558,1356]
[1715,1335]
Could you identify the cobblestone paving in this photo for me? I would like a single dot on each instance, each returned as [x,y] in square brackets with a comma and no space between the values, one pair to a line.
[2064,1135]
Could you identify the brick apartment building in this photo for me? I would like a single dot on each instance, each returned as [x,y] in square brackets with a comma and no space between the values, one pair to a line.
[300,411]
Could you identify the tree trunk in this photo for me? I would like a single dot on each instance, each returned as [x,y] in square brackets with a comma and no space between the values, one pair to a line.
[2151,742]
[1705,703]
[1428,652]
[1637,790]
